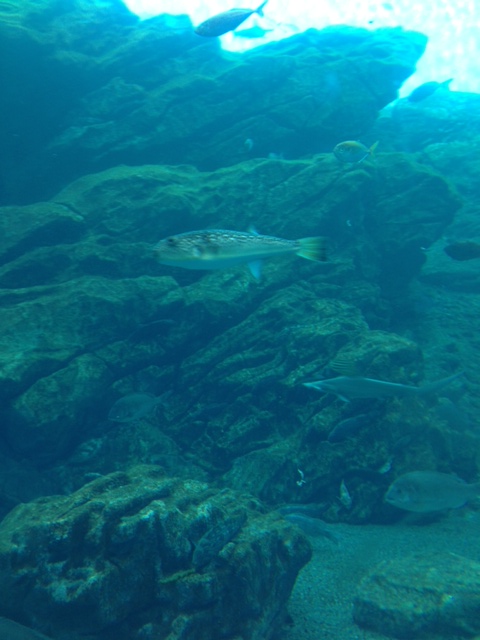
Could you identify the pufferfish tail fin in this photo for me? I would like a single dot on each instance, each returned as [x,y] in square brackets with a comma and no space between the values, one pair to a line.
[313,249]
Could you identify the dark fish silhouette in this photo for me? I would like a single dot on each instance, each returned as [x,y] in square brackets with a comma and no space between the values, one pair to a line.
[227,21]
[314,527]
[348,427]
[311,509]
[10,630]
[133,407]
[210,545]
[427,89]
[463,250]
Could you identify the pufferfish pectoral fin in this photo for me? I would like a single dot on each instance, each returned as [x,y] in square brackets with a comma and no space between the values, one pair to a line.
[255,268]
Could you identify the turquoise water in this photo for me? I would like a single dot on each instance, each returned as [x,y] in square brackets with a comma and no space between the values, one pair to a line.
[192,422]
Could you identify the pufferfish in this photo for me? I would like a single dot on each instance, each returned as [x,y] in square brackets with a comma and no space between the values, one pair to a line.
[353,152]
[221,248]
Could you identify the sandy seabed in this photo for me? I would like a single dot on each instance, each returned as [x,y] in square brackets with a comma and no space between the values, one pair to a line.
[322,601]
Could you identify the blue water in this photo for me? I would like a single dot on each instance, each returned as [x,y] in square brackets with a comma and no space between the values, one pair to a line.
[116,134]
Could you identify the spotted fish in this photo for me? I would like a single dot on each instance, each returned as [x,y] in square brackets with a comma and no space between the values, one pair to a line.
[227,21]
[220,249]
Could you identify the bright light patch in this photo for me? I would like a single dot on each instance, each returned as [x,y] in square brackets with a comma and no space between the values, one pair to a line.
[453,28]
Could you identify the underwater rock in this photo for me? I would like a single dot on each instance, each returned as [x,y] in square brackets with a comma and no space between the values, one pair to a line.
[119,90]
[122,548]
[62,347]
[435,596]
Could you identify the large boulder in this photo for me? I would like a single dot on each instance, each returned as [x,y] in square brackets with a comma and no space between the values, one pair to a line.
[421,596]
[89,86]
[125,557]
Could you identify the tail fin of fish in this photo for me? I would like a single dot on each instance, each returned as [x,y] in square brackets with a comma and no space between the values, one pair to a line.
[259,9]
[313,249]
[445,83]
[439,384]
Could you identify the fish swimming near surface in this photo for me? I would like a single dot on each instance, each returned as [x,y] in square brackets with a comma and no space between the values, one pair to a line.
[11,630]
[427,491]
[210,544]
[220,249]
[463,250]
[349,387]
[427,89]
[134,406]
[226,21]
[353,152]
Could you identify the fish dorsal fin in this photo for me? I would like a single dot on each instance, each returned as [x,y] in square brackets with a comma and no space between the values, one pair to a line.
[345,366]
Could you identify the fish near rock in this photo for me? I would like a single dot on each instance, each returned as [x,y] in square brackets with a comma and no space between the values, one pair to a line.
[427,491]
[226,21]
[427,89]
[462,251]
[349,387]
[219,249]
[210,544]
[348,427]
[353,152]
[133,406]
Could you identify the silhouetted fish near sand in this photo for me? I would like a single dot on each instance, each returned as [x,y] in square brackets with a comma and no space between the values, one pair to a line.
[210,545]
[425,491]
[311,526]
[463,250]
[220,249]
[133,407]
[10,630]
[427,89]
[310,509]
[349,387]
[227,21]
[252,33]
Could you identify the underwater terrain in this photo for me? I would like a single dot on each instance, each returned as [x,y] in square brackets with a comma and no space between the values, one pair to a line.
[207,436]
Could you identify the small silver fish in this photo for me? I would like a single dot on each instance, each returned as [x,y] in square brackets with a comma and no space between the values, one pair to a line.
[226,21]
[353,152]
[133,406]
[220,249]
[426,491]
[345,497]
[348,387]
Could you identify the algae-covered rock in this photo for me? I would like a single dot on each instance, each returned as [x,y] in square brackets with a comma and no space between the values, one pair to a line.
[430,596]
[119,90]
[123,548]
